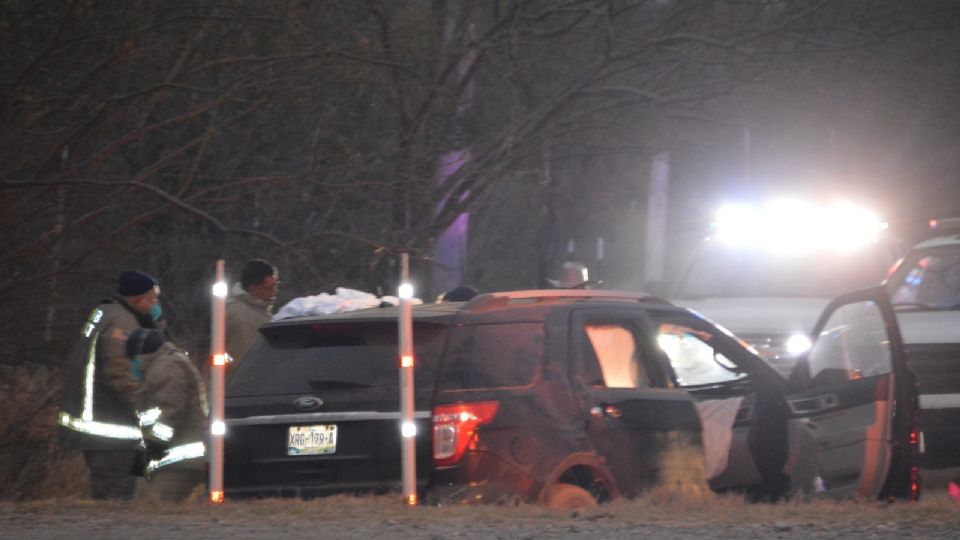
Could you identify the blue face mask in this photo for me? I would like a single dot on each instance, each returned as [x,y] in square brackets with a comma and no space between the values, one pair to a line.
[156,311]
[136,368]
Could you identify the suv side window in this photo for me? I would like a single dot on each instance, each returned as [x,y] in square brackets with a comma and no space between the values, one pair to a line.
[693,358]
[932,280]
[493,356]
[612,356]
[852,345]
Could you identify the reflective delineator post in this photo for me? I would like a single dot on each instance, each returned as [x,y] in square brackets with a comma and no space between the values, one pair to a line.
[218,356]
[408,427]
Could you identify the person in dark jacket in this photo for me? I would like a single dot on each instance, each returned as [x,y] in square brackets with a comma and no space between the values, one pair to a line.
[173,415]
[98,413]
[463,293]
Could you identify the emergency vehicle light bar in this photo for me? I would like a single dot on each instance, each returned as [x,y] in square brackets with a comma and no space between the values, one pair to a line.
[946,224]
[794,226]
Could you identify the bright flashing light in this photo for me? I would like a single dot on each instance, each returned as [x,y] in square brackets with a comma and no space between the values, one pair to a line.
[220,359]
[216,497]
[218,428]
[798,344]
[408,430]
[406,361]
[405,291]
[220,289]
[411,500]
[736,225]
[946,224]
[793,227]
[853,226]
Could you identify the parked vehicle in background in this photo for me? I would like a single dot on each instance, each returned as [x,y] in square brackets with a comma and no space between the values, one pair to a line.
[568,398]
[766,273]
[925,292]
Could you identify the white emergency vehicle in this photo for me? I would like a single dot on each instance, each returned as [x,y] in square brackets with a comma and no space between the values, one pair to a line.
[767,271]
[925,293]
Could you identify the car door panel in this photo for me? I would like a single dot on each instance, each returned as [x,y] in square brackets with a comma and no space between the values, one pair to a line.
[845,425]
[640,427]
[715,369]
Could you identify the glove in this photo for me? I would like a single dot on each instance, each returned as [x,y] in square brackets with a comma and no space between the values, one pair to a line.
[140,464]
[155,450]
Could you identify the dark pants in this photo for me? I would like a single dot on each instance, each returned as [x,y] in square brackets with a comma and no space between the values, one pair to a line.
[111,473]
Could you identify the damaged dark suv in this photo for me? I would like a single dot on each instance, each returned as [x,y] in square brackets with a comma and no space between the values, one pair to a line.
[568,398]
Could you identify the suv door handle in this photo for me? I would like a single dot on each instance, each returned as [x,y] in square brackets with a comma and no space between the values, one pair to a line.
[599,411]
[813,404]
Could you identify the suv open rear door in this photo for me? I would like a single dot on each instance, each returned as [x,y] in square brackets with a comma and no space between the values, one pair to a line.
[852,407]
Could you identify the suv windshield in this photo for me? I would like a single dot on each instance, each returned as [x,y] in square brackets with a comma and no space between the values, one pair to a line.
[721,271]
[928,279]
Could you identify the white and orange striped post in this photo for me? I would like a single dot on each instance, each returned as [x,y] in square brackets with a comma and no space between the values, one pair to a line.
[408,426]
[218,356]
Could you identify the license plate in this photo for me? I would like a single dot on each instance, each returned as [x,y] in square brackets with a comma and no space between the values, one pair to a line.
[312,440]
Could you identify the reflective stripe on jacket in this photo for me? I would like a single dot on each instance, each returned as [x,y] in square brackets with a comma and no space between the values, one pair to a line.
[176,454]
[174,407]
[97,412]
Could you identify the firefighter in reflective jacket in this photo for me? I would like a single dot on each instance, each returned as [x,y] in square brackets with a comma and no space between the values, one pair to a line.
[98,414]
[173,415]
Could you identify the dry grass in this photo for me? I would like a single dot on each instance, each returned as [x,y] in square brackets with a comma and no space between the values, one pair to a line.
[32,463]
[723,510]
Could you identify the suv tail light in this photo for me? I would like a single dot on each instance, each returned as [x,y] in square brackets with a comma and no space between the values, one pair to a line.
[454,427]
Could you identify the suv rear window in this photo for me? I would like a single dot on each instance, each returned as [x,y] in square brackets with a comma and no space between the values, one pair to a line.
[333,356]
[493,356]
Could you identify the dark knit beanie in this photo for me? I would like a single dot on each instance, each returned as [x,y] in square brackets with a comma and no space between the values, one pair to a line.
[459,294]
[133,283]
[143,341]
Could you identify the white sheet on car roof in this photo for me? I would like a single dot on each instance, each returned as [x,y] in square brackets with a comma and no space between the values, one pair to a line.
[341,301]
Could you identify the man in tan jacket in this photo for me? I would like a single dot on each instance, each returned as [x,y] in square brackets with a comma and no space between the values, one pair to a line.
[250,306]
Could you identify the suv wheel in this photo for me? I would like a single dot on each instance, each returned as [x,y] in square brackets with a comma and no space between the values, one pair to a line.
[568,497]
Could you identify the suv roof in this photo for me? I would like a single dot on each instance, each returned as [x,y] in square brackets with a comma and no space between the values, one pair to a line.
[484,303]
[949,240]
[497,300]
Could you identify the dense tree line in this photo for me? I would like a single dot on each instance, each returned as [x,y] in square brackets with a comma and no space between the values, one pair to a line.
[163,135]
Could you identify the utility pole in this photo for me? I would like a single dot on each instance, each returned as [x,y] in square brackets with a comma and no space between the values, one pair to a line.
[654,264]
[450,250]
